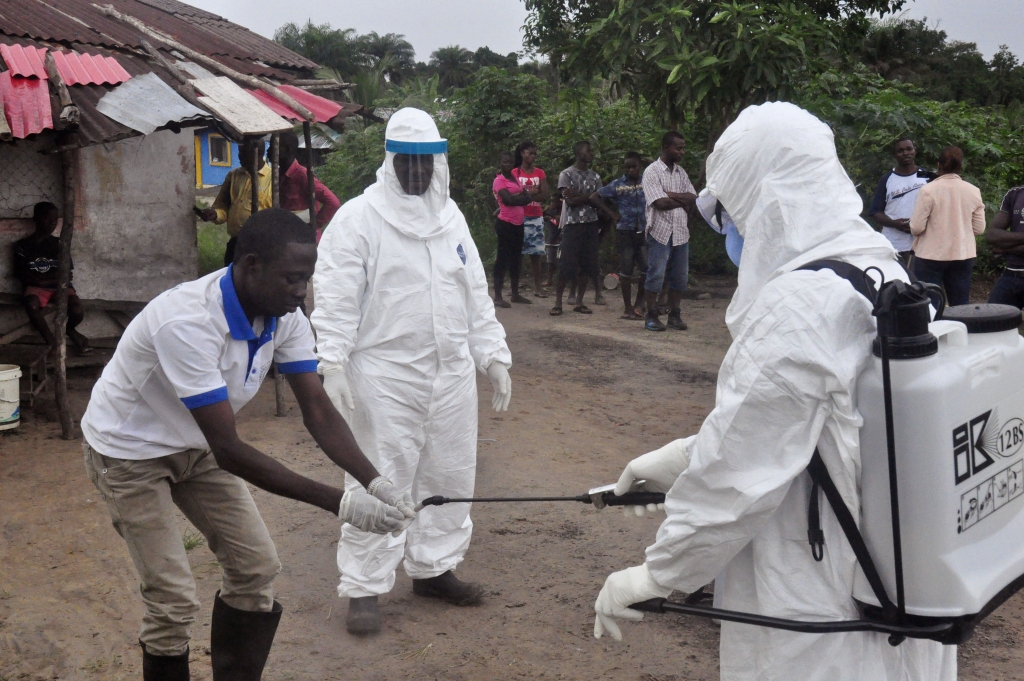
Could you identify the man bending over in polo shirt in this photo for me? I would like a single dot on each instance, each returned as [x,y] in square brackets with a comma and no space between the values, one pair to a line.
[160,431]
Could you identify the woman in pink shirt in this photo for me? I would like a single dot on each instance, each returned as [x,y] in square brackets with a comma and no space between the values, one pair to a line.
[511,198]
[535,181]
[948,214]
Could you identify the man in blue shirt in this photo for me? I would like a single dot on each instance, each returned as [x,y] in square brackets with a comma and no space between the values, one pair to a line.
[630,220]
[160,433]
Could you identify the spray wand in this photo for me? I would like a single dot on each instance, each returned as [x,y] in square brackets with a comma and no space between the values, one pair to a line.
[599,497]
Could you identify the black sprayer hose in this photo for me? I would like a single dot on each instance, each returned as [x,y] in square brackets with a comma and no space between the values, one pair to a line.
[660,605]
[628,499]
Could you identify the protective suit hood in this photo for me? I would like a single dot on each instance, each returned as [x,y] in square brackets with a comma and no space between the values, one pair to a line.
[412,131]
[776,171]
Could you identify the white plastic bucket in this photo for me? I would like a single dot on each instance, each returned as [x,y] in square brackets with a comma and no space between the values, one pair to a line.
[10,396]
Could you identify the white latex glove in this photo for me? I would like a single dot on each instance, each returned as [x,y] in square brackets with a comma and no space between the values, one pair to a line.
[502,382]
[370,514]
[336,387]
[621,590]
[382,489]
[658,469]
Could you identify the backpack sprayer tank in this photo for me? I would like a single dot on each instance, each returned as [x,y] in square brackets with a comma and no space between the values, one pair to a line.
[958,425]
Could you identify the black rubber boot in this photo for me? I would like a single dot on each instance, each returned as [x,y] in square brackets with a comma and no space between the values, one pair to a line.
[449,589]
[164,668]
[363,616]
[675,321]
[240,641]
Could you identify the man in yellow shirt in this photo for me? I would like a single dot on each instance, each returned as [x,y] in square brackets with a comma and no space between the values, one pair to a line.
[233,204]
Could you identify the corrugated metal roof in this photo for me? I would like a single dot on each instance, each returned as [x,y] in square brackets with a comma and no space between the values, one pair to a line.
[323,109]
[94,127]
[26,104]
[79,21]
[24,61]
[146,103]
[238,108]
[86,69]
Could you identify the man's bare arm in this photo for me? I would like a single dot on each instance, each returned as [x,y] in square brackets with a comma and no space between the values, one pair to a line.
[329,429]
[999,237]
[902,225]
[217,421]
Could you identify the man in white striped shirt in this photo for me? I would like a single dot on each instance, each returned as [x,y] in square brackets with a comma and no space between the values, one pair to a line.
[669,193]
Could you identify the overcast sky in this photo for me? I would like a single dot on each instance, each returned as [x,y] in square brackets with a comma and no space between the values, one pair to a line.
[497,23]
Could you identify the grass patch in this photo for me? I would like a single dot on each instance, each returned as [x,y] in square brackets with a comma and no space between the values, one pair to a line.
[212,240]
[192,539]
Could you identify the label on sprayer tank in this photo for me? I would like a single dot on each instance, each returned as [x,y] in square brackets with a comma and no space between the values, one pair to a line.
[982,448]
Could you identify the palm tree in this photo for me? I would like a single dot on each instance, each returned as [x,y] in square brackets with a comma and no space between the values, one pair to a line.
[334,48]
[390,47]
[454,66]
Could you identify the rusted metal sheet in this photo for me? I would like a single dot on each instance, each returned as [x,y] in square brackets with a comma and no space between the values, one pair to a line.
[238,108]
[26,62]
[26,104]
[323,109]
[89,69]
[146,103]
[78,21]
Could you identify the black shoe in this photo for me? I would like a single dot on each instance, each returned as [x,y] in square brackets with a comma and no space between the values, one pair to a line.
[675,321]
[449,589]
[653,323]
[240,641]
[164,668]
[363,616]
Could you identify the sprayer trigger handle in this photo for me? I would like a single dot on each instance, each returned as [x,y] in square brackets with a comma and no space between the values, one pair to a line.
[633,499]
[431,501]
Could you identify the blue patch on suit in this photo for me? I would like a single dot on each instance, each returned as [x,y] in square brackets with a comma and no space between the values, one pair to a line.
[462,253]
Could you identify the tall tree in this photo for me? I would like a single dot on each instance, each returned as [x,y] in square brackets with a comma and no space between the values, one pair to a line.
[335,48]
[706,57]
[454,66]
[391,48]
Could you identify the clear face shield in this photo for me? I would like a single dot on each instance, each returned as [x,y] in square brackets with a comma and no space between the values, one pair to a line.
[718,219]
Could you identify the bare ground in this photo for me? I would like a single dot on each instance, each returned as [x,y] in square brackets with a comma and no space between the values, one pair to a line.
[590,392]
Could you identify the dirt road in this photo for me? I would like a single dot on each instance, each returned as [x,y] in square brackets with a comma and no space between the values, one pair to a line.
[590,392]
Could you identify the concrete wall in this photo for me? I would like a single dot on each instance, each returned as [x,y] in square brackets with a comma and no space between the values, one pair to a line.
[135,235]
[135,232]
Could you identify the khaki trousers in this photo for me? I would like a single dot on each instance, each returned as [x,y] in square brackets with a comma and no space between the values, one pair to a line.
[140,496]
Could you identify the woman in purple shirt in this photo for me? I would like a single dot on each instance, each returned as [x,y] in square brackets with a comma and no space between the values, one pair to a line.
[511,198]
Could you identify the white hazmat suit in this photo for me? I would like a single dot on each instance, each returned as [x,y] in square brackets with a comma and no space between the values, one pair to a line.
[738,510]
[403,321]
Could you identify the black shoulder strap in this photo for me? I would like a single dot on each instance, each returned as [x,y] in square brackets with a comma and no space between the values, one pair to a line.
[859,279]
[821,478]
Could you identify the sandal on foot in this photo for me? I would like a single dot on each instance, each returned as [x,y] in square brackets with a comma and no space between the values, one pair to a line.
[556,311]
[499,302]
[633,317]
[583,309]
[519,299]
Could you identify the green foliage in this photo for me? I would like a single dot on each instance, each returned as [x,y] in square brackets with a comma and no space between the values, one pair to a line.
[868,114]
[353,166]
[910,51]
[212,240]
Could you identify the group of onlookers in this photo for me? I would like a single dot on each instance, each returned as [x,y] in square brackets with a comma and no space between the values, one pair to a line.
[932,219]
[650,212]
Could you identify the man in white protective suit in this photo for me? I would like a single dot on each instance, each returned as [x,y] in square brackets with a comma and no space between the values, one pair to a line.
[738,491]
[403,321]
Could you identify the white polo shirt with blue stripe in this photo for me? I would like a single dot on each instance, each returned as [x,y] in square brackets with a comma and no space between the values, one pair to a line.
[190,347]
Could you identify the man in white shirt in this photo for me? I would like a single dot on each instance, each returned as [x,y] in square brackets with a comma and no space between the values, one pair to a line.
[160,432]
[895,196]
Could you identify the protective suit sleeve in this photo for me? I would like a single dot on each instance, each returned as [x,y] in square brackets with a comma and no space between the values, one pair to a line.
[339,283]
[486,334]
[791,367]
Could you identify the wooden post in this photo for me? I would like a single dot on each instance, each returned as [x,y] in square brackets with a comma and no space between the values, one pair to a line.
[68,161]
[254,176]
[309,174]
[275,174]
